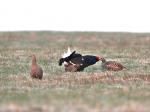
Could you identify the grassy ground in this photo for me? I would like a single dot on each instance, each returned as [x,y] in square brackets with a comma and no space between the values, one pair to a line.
[92,90]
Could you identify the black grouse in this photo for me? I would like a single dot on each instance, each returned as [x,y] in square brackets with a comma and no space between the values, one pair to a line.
[76,62]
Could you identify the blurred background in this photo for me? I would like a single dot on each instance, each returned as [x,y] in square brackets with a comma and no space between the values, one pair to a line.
[75,15]
[117,30]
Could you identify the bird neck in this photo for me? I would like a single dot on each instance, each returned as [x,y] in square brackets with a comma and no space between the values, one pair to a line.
[103,60]
[33,60]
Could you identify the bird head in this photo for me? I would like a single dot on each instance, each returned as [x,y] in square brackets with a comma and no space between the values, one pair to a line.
[33,58]
[101,58]
[98,58]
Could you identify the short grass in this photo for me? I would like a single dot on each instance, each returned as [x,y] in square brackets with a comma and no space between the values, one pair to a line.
[93,90]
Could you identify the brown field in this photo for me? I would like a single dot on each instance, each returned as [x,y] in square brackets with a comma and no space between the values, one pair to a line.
[92,90]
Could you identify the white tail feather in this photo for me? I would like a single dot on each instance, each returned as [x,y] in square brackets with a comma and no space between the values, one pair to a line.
[68,53]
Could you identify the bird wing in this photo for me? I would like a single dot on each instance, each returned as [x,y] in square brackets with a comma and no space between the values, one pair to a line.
[73,55]
[72,67]
[76,64]
[77,60]
[114,65]
[36,72]
[70,57]
[40,70]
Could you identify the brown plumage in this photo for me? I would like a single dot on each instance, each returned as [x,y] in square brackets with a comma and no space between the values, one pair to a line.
[69,67]
[35,70]
[111,65]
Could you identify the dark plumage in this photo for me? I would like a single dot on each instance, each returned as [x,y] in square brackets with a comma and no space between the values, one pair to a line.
[67,59]
[111,65]
[77,62]
[35,70]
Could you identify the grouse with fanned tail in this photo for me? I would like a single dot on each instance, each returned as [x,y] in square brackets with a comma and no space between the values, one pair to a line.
[76,62]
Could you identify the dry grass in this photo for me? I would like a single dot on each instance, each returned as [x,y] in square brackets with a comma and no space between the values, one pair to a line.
[93,90]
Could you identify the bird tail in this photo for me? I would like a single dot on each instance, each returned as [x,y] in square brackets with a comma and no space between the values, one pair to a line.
[66,54]
[61,61]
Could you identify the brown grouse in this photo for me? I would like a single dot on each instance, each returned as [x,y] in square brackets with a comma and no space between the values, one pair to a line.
[35,70]
[111,65]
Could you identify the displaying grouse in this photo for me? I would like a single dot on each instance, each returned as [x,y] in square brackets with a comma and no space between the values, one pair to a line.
[35,70]
[111,65]
[76,62]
